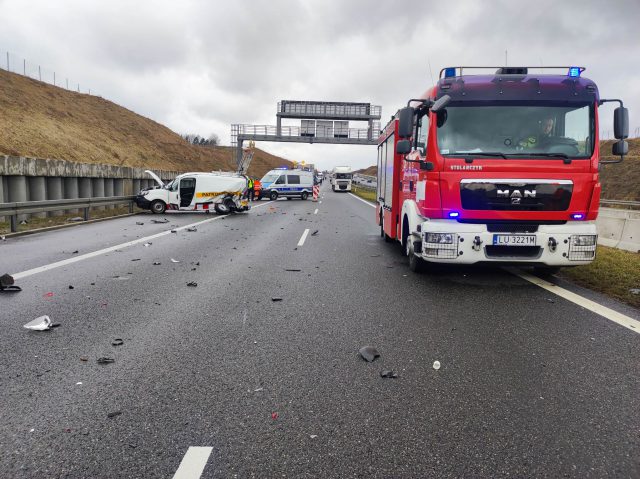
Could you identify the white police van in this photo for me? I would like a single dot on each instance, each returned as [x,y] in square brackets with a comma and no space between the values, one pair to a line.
[286,183]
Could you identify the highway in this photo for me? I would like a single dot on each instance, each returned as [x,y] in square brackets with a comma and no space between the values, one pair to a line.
[258,364]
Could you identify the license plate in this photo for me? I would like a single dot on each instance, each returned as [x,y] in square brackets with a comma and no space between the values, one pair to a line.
[514,240]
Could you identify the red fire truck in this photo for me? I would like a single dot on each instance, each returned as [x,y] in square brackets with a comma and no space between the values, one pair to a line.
[499,166]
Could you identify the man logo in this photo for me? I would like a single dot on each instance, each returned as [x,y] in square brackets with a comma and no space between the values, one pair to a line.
[516,195]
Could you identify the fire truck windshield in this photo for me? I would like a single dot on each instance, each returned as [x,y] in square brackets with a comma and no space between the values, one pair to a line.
[513,131]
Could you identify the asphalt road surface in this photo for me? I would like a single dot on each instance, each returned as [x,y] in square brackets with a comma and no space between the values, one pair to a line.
[530,384]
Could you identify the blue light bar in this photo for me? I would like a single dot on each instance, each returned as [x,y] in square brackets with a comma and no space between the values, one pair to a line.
[574,72]
[577,216]
[449,72]
[454,214]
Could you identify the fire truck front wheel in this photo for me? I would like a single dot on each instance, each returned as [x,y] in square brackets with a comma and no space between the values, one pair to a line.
[416,264]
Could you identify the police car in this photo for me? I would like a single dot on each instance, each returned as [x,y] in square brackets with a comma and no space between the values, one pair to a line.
[287,183]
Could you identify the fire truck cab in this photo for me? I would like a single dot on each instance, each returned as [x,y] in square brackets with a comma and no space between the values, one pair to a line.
[499,167]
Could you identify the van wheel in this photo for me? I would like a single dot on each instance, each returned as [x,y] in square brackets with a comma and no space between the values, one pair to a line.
[416,264]
[273,195]
[158,207]
[304,195]
[225,207]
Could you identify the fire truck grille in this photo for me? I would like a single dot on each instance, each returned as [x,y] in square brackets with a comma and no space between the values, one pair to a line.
[516,195]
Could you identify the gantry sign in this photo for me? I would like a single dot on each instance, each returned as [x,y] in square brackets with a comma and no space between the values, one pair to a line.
[320,122]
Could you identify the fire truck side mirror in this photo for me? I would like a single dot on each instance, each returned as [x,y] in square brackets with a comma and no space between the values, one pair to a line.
[403,147]
[427,165]
[440,103]
[621,123]
[405,122]
[620,148]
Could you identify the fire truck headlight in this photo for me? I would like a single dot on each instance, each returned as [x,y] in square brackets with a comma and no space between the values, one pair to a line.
[440,238]
[583,240]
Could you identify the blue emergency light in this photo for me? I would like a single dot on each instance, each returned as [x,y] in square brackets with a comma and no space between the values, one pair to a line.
[577,216]
[454,214]
[449,72]
[574,72]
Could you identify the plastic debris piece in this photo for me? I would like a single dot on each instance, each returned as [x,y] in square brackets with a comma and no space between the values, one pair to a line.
[165,220]
[79,383]
[198,263]
[369,353]
[293,269]
[313,436]
[549,300]
[258,390]
[117,342]
[74,252]
[274,415]
[193,229]
[84,358]
[388,373]
[7,284]
[114,414]
[3,238]
[48,295]
[314,233]
[174,231]
[42,323]
[276,299]
[135,259]
[436,365]
[157,263]
[174,260]
[192,284]
[146,245]
[105,360]
[139,223]
[121,278]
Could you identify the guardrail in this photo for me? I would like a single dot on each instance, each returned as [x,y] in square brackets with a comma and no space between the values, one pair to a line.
[630,204]
[27,207]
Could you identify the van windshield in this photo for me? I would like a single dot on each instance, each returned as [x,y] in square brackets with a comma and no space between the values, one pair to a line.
[343,176]
[269,178]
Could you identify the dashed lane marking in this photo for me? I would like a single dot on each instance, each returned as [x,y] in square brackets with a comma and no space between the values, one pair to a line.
[93,254]
[608,313]
[315,212]
[303,237]
[193,463]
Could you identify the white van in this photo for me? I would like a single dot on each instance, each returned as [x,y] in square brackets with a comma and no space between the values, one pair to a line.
[223,192]
[286,183]
[341,177]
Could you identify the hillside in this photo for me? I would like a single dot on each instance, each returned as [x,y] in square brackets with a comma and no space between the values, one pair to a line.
[619,182]
[43,121]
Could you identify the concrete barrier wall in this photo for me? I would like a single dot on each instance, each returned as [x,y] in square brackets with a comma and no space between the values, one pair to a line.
[35,179]
[619,229]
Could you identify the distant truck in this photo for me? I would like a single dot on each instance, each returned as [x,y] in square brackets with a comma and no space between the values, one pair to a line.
[341,177]
[498,167]
[286,183]
[222,192]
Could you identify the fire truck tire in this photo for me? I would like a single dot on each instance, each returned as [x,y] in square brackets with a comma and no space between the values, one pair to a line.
[546,271]
[304,195]
[273,195]
[416,264]
[158,207]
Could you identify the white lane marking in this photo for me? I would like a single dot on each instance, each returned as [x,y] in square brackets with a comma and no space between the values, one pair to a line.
[364,201]
[93,254]
[610,314]
[315,212]
[193,463]
[319,201]
[303,237]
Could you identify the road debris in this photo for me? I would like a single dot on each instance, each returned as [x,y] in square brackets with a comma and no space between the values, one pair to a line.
[293,270]
[76,219]
[193,229]
[48,295]
[105,360]
[7,284]
[369,353]
[114,414]
[313,436]
[84,358]
[276,299]
[436,365]
[388,373]
[146,245]
[117,342]
[42,323]
[135,259]
[139,223]
[174,231]
[192,284]
[157,263]
[174,260]
[274,415]
[258,390]
[71,287]
[74,252]
[314,233]
[165,220]
[634,290]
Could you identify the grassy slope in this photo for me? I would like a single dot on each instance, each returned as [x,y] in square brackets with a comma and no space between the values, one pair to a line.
[43,121]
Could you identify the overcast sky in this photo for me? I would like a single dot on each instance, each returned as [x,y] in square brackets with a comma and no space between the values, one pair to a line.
[198,66]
